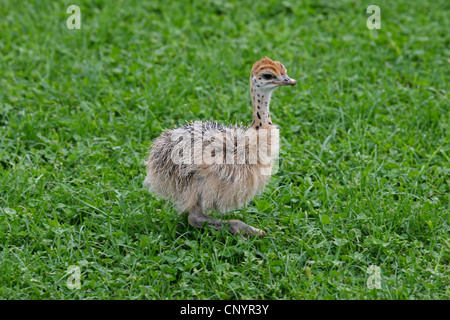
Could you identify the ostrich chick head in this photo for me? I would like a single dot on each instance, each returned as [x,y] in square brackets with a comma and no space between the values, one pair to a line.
[268,74]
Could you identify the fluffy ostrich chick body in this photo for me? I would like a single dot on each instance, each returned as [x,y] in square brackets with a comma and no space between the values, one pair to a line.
[207,166]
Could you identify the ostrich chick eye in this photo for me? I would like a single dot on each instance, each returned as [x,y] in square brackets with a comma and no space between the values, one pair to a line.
[267,76]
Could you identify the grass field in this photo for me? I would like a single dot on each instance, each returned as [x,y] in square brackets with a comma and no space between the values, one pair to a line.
[364,175]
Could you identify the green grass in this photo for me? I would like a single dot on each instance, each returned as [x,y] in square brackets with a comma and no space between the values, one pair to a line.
[364,172]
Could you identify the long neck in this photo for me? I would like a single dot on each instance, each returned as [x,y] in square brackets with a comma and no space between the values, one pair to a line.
[261,104]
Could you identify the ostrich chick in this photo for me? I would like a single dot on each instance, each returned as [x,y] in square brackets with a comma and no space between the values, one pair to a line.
[207,166]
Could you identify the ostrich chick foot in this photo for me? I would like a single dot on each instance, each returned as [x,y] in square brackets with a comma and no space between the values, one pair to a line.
[197,219]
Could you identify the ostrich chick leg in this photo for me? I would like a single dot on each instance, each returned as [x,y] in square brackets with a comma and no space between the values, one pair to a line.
[197,219]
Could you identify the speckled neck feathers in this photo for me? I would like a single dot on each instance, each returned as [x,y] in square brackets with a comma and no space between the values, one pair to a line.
[261,106]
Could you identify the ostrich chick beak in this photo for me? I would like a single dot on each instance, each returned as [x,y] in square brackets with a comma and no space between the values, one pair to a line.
[286,81]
